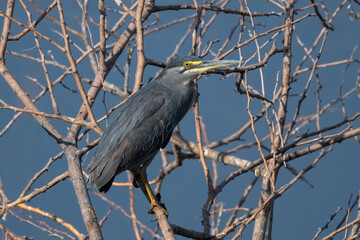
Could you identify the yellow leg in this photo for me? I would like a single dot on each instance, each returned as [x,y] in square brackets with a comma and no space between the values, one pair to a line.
[152,198]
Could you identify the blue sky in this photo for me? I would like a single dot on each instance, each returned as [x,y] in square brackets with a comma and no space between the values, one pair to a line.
[25,147]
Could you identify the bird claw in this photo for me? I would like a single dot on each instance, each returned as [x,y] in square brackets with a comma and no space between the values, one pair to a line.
[161,206]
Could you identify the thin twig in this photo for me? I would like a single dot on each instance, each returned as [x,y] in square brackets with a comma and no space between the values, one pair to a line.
[205,211]
[54,218]
[74,69]
[140,47]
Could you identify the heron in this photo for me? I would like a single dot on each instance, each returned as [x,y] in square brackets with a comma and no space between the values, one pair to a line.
[144,124]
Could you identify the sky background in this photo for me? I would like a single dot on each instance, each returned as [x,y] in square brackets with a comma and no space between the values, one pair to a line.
[25,148]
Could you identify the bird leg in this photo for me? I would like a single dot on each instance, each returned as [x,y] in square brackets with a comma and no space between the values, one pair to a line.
[141,181]
[136,176]
[153,199]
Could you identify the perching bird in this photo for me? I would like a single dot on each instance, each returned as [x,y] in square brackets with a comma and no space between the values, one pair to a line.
[145,122]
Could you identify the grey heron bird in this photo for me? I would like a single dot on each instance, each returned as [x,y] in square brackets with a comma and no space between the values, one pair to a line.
[145,122]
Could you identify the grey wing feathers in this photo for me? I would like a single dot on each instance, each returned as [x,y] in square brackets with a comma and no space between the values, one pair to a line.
[130,137]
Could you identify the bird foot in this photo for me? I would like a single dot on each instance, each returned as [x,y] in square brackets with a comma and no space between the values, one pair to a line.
[158,204]
[161,207]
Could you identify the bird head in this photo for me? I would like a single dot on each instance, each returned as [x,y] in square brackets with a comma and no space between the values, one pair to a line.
[183,70]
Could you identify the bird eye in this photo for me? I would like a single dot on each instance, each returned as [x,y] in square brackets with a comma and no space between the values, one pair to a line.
[186,64]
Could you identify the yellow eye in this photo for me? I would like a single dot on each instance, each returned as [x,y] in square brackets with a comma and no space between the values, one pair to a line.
[186,64]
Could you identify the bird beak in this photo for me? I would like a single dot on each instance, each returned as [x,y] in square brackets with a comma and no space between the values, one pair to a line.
[204,66]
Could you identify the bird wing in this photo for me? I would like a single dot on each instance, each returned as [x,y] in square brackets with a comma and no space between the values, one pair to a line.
[134,136]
